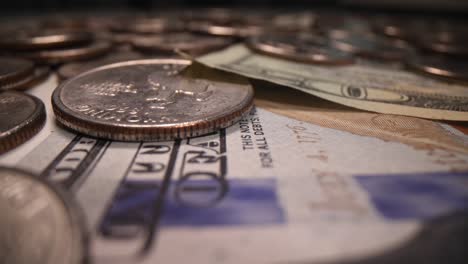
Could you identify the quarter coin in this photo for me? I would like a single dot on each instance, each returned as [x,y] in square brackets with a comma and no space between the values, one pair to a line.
[21,117]
[303,48]
[157,99]
[40,223]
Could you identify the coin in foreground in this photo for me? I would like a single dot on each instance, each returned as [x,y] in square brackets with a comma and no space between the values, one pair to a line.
[158,99]
[39,223]
[21,117]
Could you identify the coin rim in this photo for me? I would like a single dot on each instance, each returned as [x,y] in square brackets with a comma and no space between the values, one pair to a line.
[71,207]
[145,132]
[26,129]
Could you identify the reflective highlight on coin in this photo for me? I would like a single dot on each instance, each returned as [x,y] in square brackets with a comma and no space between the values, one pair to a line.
[150,100]
[21,117]
[39,223]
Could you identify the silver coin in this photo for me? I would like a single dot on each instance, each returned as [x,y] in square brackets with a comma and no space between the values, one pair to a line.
[303,48]
[186,42]
[438,66]
[70,70]
[12,69]
[39,223]
[21,117]
[158,99]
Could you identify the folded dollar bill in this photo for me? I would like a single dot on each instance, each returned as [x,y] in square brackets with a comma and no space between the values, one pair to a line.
[381,90]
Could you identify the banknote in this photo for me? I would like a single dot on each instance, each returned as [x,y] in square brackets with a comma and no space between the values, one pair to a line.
[377,89]
[281,186]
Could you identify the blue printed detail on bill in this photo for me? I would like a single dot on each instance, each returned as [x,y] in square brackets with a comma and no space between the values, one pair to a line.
[416,196]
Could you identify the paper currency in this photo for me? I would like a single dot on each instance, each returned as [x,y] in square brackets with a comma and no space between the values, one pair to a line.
[271,189]
[387,91]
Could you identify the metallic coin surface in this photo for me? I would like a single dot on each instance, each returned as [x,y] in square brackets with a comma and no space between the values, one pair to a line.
[70,70]
[12,69]
[369,45]
[39,223]
[150,100]
[43,39]
[304,48]
[39,74]
[21,117]
[186,42]
[438,66]
[57,56]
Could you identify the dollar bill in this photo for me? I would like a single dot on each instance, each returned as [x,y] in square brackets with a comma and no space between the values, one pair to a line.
[280,186]
[382,90]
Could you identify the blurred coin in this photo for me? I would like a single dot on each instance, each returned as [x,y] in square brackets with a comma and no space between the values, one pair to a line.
[369,45]
[72,69]
[158,99]
[290,22]
[40,223]
[304,48]
[43,39]
[38,75]
[234,27]
[57,56]
[395,27]
[148,25]
[438,66]
[446,48]
[12,69]
[193,44]
[21,117]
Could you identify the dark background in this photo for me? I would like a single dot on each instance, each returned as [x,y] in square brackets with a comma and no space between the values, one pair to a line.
[394,5]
